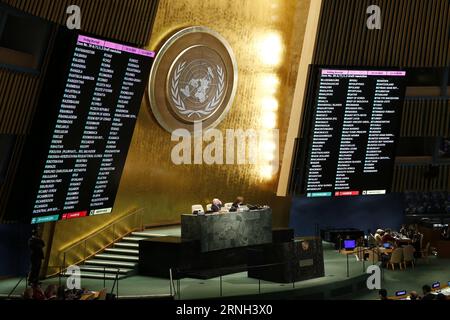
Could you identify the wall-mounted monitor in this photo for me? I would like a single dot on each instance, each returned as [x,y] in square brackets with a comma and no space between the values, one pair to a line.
[74,158]
[351,127]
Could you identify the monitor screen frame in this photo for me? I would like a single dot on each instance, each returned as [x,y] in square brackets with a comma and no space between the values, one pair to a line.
[300,165]
[33,158]
[401,293]
[351,247]
[436,285]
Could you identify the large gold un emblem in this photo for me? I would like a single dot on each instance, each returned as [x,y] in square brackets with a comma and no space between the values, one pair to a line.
[194,78]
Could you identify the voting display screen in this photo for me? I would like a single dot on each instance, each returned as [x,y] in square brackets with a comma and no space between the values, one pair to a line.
[353,133]
[84,124]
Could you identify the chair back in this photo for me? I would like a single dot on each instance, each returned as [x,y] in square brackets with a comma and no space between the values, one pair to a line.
[397,255]
[228,205]
[208,207]
[198,208]
[408,253]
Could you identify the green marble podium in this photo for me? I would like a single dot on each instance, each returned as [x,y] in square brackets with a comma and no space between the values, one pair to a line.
[220,231]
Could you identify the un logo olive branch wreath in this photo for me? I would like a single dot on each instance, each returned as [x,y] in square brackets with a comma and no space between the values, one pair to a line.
[179,103]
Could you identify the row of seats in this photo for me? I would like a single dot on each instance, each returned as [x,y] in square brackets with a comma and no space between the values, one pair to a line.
[401,256]
[423,203]
[435,195]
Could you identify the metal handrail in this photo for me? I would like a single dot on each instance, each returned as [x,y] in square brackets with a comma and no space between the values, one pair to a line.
[362,251]
[173,291]
[15,287]
[133,212]
[116,280]
[176,291]
[84,241]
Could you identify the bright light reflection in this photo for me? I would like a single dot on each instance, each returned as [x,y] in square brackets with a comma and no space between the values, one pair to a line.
[270,49]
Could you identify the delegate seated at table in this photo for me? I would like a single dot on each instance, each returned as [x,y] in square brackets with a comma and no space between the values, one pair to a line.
[404,230]
[387,237]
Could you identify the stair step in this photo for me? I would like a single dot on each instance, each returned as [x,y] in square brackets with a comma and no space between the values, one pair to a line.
[134,239]
[127,244]
[94,275]
[147,234]
[107,270]
[116,257]
[101,262]
[120,250]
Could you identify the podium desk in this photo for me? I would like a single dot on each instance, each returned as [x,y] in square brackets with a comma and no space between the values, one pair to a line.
[220,231]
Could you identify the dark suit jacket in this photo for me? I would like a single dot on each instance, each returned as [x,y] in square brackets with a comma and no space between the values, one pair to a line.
[215,208]
[36,246]
[429,296]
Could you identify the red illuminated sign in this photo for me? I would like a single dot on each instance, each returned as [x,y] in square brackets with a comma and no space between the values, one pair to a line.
[346,193]
[72,215]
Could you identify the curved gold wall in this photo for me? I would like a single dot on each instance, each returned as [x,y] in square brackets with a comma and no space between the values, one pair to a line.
[267,37]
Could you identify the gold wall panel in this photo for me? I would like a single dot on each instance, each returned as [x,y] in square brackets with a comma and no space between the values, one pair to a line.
[266,37]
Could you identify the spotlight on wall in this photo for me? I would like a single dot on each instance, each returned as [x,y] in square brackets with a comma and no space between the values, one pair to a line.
[270,83]
[269,120]
[266,172]
[270,49]
[268,154]
[269,104]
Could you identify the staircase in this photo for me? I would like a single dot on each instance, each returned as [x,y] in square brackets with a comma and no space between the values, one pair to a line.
[123,256]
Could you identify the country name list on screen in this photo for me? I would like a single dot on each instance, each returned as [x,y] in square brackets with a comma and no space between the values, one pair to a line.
[354,131]
[92,132]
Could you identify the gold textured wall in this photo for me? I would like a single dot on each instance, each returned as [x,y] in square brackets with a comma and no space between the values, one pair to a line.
[267,37]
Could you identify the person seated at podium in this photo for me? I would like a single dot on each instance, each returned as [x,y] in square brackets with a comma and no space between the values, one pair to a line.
[216,205]
[237,203]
